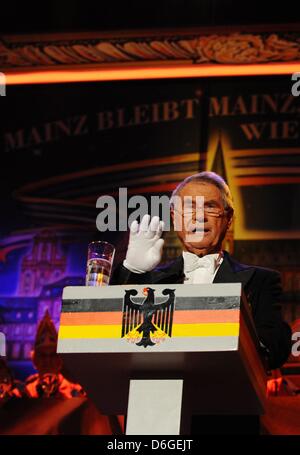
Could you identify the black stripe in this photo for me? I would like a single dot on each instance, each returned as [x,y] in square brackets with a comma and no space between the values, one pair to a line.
[182,303]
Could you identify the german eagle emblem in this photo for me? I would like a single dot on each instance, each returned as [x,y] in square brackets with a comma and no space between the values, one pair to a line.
[147,323]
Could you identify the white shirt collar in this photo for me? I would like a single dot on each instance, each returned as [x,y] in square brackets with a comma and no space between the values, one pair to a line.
[209,261]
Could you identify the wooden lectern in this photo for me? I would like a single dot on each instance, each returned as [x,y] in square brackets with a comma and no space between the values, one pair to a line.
[162,353]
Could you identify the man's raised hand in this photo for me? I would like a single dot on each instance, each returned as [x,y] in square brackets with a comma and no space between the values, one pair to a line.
[145,245]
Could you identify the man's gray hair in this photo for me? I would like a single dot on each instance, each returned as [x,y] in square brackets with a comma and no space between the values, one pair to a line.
[208,177]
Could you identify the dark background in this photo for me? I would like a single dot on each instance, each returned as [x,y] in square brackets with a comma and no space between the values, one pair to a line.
[62,16]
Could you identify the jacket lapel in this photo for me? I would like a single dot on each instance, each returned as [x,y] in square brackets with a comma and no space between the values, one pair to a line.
[231,271]
[170,274]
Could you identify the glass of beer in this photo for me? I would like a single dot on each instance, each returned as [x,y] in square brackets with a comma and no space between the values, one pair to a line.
[99,263]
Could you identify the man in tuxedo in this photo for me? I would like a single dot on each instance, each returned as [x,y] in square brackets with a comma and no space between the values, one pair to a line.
[203,261]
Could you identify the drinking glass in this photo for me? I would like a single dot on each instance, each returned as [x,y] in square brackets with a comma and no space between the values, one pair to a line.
[99,263]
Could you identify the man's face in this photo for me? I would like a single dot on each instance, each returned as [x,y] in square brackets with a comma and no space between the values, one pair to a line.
[214,219]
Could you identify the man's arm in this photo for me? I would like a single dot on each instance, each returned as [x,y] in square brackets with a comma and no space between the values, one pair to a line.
[122,275]
[273,332]
[144,252]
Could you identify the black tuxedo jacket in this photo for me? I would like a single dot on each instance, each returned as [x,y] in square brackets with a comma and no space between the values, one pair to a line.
[261,286]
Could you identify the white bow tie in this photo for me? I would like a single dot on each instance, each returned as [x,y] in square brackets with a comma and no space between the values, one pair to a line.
[193,262]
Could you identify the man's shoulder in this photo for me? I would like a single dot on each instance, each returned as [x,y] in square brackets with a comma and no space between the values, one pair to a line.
[236,265]
[172,264]
[261,272]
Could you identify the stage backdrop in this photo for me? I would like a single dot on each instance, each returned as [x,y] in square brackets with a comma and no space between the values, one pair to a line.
[64,145]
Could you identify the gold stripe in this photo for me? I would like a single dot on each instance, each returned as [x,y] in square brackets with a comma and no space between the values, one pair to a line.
[179,330]
[241,172]
[263,152]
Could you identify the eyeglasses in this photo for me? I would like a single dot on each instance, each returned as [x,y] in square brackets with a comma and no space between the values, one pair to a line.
[210,211]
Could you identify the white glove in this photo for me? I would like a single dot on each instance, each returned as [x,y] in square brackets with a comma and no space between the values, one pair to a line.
[145,245]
